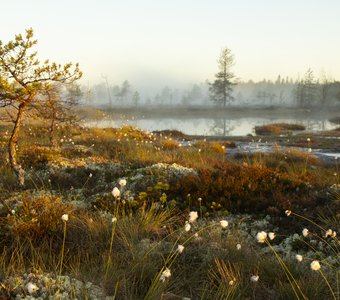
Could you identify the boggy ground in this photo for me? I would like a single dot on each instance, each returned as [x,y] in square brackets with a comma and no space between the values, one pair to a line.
[126,243]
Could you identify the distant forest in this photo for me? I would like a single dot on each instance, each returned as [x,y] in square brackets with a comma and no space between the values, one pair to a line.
[306,92]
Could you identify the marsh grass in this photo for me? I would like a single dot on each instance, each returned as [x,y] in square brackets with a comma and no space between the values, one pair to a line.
[127,257]
[142,248]
[278,128]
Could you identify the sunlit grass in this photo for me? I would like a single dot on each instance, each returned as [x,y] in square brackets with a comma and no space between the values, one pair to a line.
[125,245]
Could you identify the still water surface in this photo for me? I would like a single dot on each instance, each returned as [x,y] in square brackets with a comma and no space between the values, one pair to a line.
[211,126]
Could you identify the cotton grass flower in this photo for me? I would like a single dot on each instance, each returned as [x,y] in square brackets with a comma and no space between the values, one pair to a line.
[238,246]
[299,257]
[116,192]
[288,212]
[231,282]
[114,220]
[315,265]
[180,248]
[187,227]
[31,288]
[254,278]
[305,232]
[224,223]
[64,217]
[261,236]
[165,274]
[193,215]
[122,182]
[329,232]
[271,235]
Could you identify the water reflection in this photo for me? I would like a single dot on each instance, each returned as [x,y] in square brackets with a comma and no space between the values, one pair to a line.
[211,126]
[222,127]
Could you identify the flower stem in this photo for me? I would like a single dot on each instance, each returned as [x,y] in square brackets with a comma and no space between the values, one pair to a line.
[62,256]
[327,282]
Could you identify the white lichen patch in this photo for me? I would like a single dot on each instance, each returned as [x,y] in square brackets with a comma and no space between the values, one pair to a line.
[48,286]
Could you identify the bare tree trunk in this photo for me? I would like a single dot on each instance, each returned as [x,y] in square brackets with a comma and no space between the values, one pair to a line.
[52,129]
[12,151]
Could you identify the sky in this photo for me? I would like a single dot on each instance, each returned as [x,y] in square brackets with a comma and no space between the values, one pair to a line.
[178,41]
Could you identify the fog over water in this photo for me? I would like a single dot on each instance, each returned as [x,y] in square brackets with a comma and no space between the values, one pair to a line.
[176,43]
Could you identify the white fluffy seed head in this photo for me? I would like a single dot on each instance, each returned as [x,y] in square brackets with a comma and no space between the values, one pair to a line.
[122,182]
[315,265]
[261,236]
[288,212]
[305,232]
[180,248]
[329,232]
[31,288]
[238,246]
[64,217]
[224,223]
[299,257]
[165,274]
[116,192]
[187,227]
[271,235]
[193,215]
[254,278]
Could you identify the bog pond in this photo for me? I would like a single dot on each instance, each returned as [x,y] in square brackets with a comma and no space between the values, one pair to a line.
[237,124]
[229,125]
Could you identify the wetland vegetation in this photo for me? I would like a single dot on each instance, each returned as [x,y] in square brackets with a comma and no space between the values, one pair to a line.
[130,197]
[118,212]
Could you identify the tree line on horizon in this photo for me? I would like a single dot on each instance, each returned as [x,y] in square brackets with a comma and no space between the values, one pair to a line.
[305,92]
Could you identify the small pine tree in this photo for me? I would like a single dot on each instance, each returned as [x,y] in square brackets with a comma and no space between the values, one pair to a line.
[222,87]
[24,82]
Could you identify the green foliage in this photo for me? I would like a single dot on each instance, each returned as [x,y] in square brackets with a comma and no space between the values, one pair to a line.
[305,92]
[222,86]
[23,79]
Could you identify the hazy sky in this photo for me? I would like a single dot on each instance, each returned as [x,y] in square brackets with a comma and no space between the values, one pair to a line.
[167,42]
